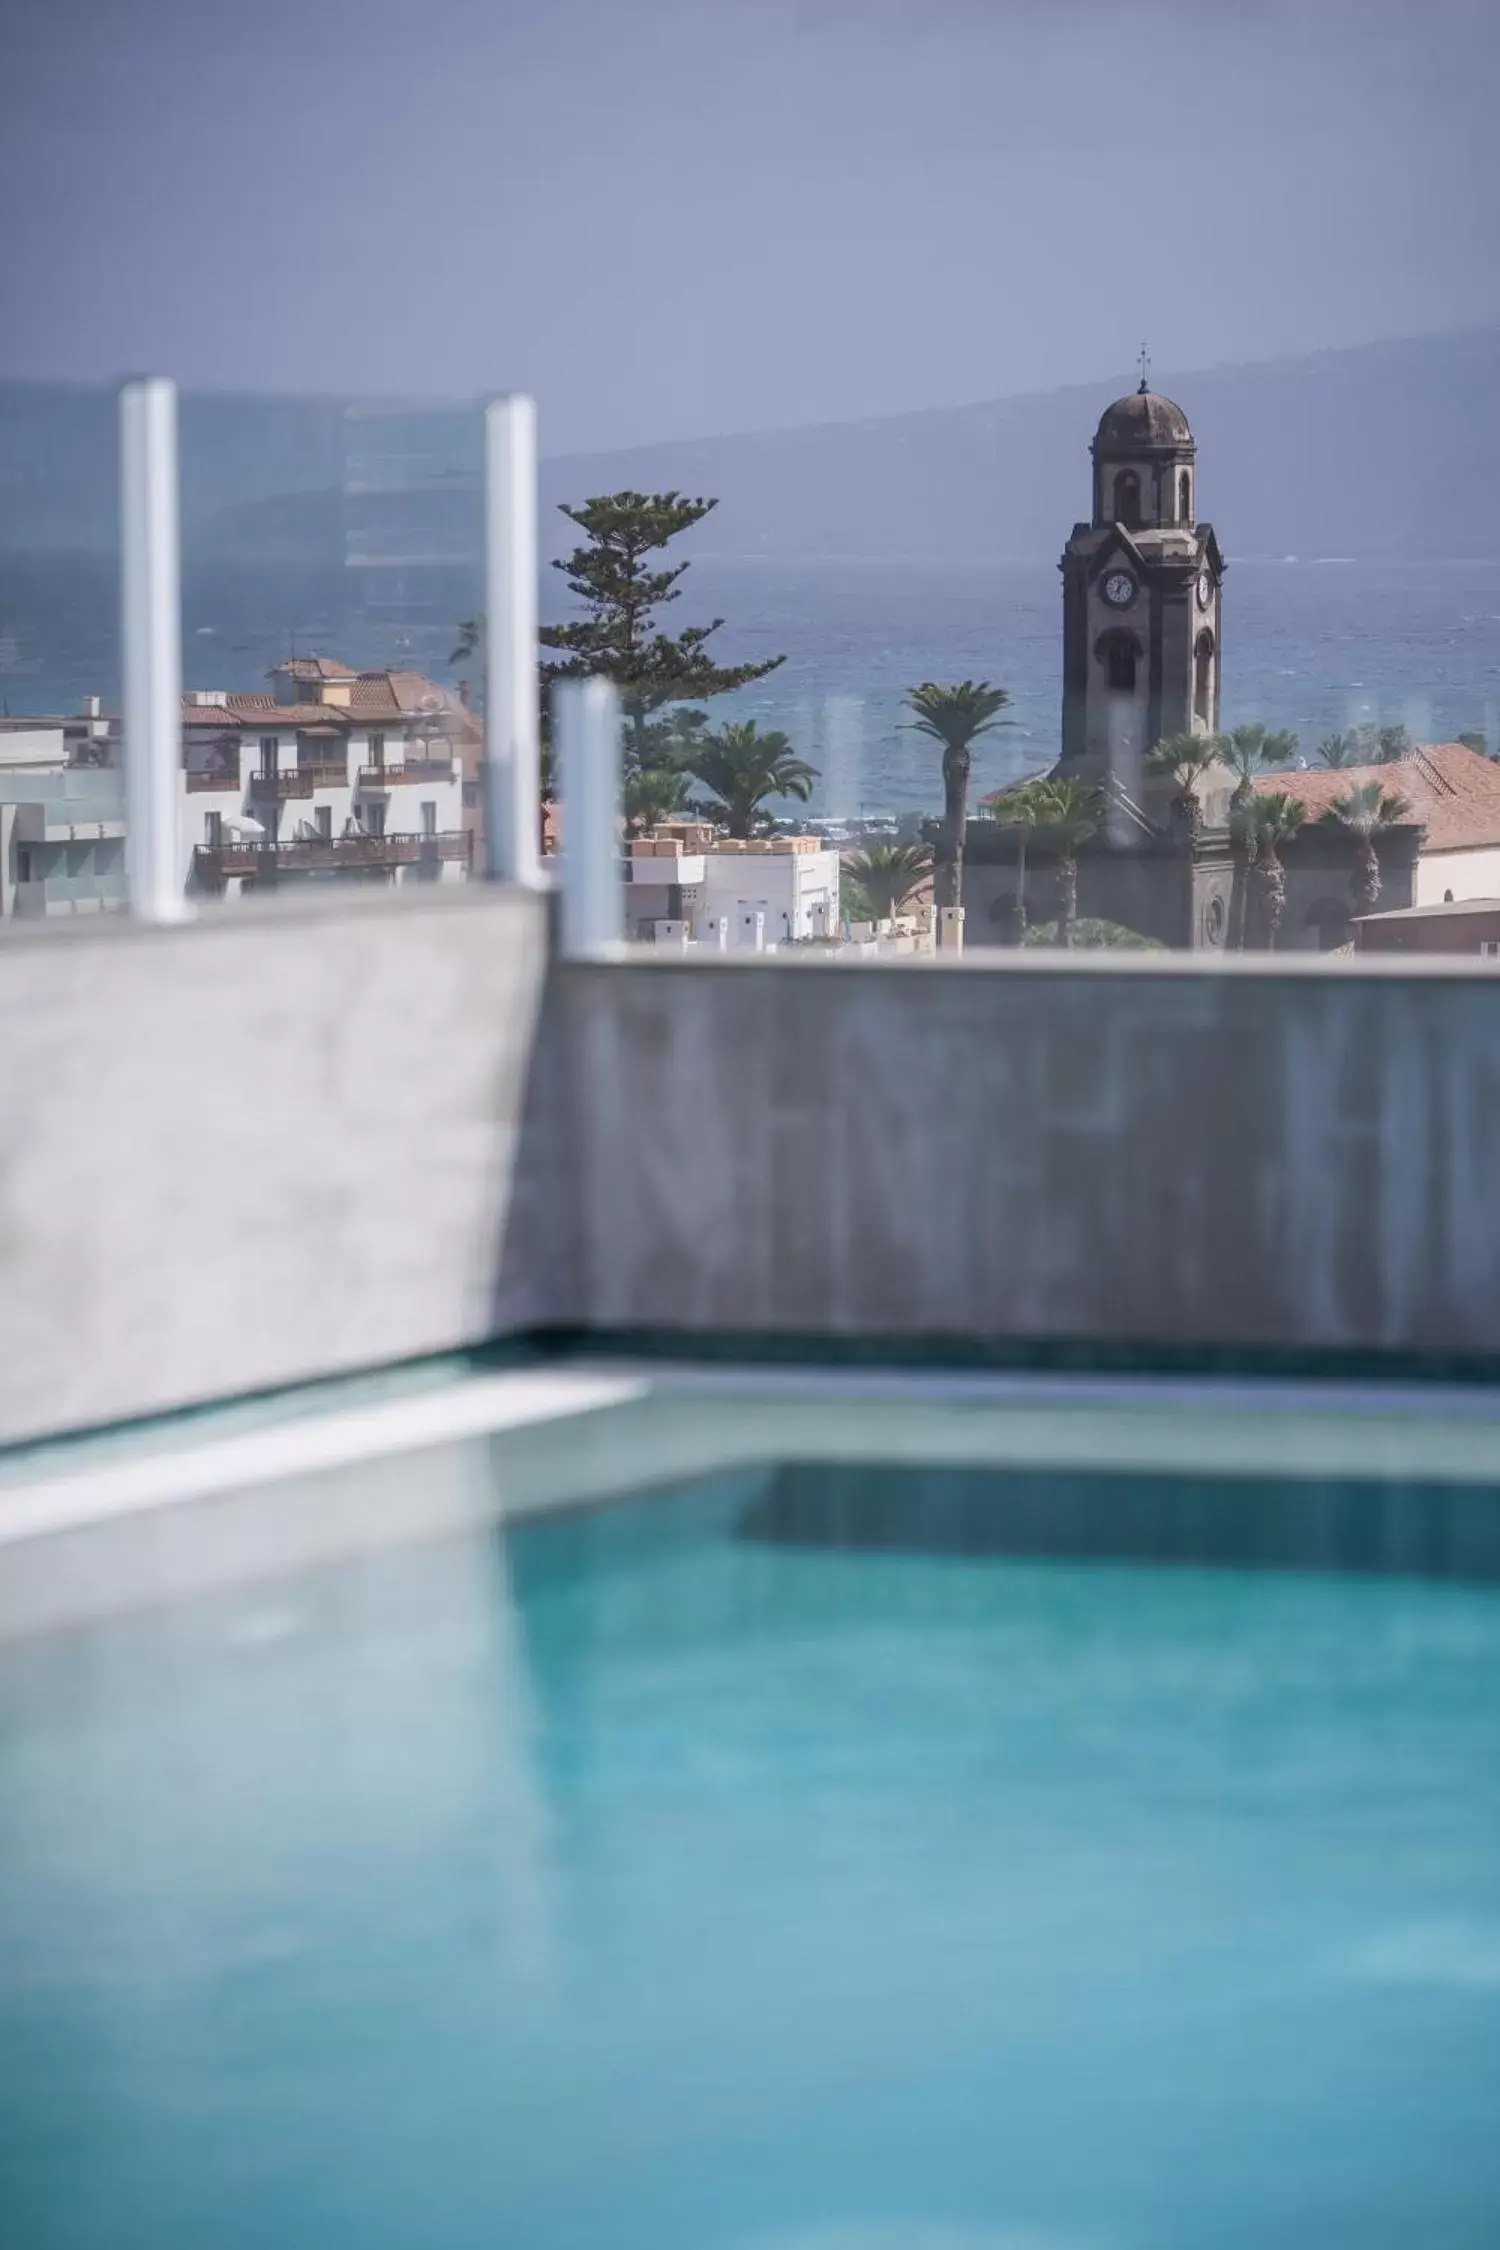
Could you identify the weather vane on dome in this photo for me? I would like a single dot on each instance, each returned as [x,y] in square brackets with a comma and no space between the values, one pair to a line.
[1145,371]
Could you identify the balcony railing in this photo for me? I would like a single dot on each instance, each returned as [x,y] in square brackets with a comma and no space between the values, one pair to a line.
[299,781]
[221,778]
[330,854]
[409,769]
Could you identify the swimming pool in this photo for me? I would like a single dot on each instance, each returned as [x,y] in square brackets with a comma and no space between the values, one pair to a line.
[794,1853]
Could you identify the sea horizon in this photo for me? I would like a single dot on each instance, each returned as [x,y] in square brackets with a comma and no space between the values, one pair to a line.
[1313,644]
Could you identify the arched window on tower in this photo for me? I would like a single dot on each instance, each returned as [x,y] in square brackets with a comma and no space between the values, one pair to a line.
[1120,653]
[1184,497]
[1203,678]
[1128,499]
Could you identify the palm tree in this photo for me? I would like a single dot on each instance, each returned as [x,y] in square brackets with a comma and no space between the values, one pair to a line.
[1248,752]
[955,717]
[1275,818]
[654,785]
[1018,809]
[1391,744]
[1375,745]
[1340,750]
[1069,814]
[1367,812]
[651,794]
[742,768]
[1183,758]
[882,877]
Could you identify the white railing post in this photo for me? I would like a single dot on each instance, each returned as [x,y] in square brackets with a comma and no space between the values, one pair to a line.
[151,648]
[586,730]
[512,772]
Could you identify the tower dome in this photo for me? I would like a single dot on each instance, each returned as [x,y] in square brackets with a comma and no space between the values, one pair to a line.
[1145,463]
[1142,423]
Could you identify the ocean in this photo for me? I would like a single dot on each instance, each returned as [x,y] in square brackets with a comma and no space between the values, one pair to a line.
[1315,646]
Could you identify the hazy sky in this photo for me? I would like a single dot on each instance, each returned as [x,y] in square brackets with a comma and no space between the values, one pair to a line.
[676,217]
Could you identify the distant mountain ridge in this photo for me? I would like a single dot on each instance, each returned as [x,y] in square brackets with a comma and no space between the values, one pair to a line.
[1379,450]
[1383,449]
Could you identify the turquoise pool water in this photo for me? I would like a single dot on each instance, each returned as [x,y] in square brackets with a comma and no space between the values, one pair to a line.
[690,1875]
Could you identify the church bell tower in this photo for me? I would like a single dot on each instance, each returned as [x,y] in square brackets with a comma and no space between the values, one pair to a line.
[1141,597]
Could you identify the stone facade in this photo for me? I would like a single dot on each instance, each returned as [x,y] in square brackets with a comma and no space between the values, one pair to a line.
[1147,883]
[1142,658]
[1142,594]
[1186,895]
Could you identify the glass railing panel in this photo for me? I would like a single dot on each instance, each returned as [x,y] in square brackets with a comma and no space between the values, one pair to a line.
[61,792]
[332,664]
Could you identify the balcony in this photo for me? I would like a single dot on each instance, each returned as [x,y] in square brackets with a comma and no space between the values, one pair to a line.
[220,779]
[409,770]
[317,855]
[299,781]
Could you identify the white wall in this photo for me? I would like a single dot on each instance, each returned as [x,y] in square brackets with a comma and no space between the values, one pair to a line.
[1467,874]
[33,746]
[797,891]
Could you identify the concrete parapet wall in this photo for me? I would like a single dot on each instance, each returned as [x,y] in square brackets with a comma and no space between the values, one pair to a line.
[1148,1155]
[266,1146]
[286,1143]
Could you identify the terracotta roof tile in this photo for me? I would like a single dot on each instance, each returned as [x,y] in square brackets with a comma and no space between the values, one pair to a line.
[373,696]
[403,692]
[408,695]
[314,668]
[1453,791]
[265,711]
[415,692]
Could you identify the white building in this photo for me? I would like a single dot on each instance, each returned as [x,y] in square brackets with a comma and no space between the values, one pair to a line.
[36,745]
[367,775]
[62,823]
[771,890]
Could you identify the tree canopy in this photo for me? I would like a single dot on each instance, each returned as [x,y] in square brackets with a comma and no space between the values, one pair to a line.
[880,879]
[1089,929]
[1185,758]
[620,633]
[743,769]
[620,636]
[1367,810]
[955,717]
[1250,750]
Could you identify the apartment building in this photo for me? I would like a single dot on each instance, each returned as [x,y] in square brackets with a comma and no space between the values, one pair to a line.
[365,776]
[62,826]
[373,776]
